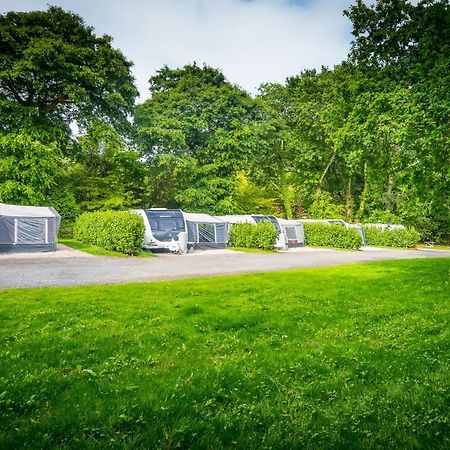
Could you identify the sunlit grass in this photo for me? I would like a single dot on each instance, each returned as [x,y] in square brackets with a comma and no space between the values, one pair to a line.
[342,357]
[99,251]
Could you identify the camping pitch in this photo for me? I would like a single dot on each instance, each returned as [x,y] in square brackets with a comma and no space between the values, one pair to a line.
[28,228]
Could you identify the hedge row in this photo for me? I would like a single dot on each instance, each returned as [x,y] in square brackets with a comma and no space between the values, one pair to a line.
[331,235]
[262,235]
[113,230]
[406,238]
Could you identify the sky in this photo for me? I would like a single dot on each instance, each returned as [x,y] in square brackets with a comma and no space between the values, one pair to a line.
[251,41]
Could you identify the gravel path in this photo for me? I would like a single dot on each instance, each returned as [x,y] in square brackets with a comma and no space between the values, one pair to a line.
[68,267]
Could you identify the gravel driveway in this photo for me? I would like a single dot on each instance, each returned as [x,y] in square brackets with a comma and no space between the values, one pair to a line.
[68,267]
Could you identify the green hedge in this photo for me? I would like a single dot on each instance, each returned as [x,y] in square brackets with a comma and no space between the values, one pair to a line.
[262,235]
[113,230]
[331,235]
[407,238]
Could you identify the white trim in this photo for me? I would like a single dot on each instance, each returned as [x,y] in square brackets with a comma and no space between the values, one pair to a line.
[16,231]
[46,231]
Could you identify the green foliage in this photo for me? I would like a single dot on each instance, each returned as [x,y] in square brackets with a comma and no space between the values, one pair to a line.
[377,216]
[66,205]
[331,235]
[109,176]
[345,357]
[50,60]
[112,230]
[194,134]
[323,207]
[241,235]
[262,235]
[30,168]
[406,238]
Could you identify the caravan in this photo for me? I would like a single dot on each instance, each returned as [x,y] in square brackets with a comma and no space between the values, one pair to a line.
[178,231]
[162,228]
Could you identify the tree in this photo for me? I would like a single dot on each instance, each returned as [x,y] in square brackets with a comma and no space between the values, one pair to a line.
[404,52]
[29,168]
[195,134]
[108,174]
[52,63]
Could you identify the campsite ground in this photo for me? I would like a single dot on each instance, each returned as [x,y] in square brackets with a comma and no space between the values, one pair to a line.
[68,267]
[352,356]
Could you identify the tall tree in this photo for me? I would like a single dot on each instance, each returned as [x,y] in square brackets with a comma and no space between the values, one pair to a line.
[201,123]
[52,62]
[403,49]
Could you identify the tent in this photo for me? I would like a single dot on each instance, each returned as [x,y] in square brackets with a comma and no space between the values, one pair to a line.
[293,231]
[205,231]
[28,228]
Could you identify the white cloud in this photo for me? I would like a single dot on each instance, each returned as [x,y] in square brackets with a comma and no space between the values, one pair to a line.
[251,41]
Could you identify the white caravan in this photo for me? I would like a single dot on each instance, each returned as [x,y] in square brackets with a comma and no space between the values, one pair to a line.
[162,228]
[177,231]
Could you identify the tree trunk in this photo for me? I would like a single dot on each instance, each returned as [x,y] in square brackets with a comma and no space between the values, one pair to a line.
[324,173]
[349,201]
[362,200]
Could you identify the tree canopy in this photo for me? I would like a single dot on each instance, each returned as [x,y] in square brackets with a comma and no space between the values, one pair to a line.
[52,62]
[365,140]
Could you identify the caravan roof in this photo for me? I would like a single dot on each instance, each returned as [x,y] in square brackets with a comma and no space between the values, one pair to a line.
[26,211]
[201,218]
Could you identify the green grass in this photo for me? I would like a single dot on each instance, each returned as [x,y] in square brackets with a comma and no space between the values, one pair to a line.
[433,247]
[250,250]
[349,357]
[98,251]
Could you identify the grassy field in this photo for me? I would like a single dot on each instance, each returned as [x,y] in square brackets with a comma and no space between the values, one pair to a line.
[99,251]
[351,357]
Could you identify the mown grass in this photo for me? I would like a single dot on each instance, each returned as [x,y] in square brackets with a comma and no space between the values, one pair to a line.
[99,251]
[250,250]
[344,357]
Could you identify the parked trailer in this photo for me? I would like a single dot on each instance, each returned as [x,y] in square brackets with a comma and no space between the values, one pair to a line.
[256,218]
[165,229]
[162,228]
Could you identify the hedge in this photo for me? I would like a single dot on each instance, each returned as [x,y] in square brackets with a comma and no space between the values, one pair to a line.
[262,235]
[112,230]
[331,235]
[406,238]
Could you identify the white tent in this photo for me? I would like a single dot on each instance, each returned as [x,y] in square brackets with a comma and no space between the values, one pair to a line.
[205,231]
[28,228]
[293,231]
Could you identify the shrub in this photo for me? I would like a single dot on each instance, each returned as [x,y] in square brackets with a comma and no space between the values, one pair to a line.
[263,235]
[241,234]
[407,237]
[112,230]
[331,235]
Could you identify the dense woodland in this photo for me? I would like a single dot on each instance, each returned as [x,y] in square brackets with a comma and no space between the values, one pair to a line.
[367,140]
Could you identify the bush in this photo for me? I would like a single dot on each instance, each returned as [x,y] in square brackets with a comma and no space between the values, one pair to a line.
[331,235]
[407,237]
[263,235]
[112,230]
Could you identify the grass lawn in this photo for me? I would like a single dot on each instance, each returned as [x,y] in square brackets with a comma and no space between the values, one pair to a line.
[250,250]
[350,357]
[98,251]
